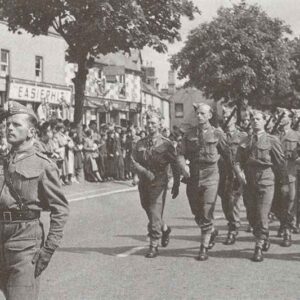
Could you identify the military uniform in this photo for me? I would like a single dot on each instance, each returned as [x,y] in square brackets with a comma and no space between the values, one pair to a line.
[230,189]
[284,209]
[203,148]
[31,184]
[154,155]
[262,159]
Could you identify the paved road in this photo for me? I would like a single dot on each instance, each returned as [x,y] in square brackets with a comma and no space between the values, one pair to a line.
[102,257]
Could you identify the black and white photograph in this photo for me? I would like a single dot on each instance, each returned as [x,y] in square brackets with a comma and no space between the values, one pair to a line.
[149,149]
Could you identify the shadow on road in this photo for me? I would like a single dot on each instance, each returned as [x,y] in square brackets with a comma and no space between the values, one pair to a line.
[190,252]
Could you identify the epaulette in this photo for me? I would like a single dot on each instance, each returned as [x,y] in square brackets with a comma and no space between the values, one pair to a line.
[166,139]
[45,157]
[273,137]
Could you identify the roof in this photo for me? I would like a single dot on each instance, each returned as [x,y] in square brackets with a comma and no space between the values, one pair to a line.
[149,89]
[190,95]
[130,62]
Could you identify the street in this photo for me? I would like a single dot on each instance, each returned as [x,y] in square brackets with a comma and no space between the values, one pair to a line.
[102,255]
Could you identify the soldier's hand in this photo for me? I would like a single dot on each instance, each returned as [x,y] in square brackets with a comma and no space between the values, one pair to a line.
[41,261]
[175,191]
[285,189]
[186,172]
[241,178]
[150,175]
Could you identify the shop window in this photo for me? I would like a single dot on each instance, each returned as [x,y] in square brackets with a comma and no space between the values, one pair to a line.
[38,68]
[4,69]
[111,78]
[178,110]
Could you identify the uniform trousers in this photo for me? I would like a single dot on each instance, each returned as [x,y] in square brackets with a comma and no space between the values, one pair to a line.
[202,192]
[20,241]
[285,209]
[230,192]
[259,204]
[153,197]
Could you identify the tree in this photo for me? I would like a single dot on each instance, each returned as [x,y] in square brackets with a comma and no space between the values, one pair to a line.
[242,56]
[93,27]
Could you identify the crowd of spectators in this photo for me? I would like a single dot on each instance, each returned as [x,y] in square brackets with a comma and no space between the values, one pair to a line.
[95,155]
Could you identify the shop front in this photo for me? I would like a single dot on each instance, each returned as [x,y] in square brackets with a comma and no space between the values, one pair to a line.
[47,100]
[121,113]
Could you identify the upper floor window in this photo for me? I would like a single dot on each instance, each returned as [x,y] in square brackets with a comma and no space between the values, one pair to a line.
[122,78]
[178,110]
[4,67]
[38,68]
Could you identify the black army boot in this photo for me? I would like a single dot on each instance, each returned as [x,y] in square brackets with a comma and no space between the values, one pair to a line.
[280,232]
[202,253]
[213,236]
[165,239]
[266,245]
[231,238]
[287,238]
[153,252]
[257,255]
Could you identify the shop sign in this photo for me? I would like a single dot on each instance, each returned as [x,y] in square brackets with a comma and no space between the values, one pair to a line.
[34,93]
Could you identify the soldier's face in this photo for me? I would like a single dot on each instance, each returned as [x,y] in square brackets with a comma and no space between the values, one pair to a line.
[153,125]
[18,129]
[203,114]
[258,122]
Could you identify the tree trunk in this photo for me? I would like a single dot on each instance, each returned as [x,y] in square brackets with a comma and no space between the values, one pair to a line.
[79,85]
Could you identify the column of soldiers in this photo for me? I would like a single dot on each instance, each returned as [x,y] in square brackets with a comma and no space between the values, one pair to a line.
[255,162]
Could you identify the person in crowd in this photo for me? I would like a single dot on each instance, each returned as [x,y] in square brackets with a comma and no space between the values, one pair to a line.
[62,141]
[102,158]
[110,146]
[90,149]
[118,154]
[78,158]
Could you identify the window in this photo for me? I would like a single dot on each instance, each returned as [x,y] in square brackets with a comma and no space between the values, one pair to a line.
[111,78]
[4,69]
[122,78]
[38,68]
[178,110]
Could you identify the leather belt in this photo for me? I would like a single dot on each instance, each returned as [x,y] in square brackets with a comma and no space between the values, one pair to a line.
[18,215]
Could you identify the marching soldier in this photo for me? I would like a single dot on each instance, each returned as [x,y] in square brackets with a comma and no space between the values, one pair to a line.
[31,185]
[262,158]
[150,159]
[230,190]
[202,146]
[284,208]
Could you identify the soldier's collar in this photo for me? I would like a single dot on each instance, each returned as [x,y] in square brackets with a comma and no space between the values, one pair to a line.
[22,152]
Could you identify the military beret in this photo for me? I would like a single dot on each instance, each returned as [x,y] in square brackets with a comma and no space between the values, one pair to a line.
[14,108]
[198,105]
[152,113]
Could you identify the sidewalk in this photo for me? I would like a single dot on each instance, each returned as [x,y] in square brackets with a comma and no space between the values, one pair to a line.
[87,190]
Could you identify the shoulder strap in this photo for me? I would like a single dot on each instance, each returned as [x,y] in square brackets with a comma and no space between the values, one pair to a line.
[21,204]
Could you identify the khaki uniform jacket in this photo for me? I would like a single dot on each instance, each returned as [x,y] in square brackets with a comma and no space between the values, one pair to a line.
[35,178]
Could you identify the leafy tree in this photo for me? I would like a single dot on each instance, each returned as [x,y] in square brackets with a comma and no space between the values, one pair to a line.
[242,56]
[93,27]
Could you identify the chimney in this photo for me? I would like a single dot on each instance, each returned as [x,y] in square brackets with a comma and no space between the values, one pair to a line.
[171,82]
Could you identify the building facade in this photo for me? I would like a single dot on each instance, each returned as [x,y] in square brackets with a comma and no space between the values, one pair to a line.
[113,89]
[32,71]
[182,110]
[153,99]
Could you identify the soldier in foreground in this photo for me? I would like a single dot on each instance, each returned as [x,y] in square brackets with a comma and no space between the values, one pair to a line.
[31,184]
[230,189]
[261,157]
[202,146]
[150,159]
